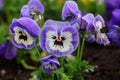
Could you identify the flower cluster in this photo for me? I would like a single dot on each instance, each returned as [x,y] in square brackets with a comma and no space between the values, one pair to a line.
[88,22]
[56,38]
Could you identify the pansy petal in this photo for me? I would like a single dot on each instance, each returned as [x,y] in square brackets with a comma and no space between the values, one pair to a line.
[115,20]
[98,23]
[87,22]
[111,5]
[91,38]
[43,37]
[35,4]
[102,39]
[11,51]
[25,12]
[29,25]
[3,47]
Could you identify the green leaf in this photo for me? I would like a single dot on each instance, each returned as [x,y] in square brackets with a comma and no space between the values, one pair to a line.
[36,73]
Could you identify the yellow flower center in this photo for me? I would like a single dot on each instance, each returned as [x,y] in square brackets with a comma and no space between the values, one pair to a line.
[24,34]
[58,39]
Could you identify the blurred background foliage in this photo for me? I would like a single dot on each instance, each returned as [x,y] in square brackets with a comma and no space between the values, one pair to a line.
[53,9]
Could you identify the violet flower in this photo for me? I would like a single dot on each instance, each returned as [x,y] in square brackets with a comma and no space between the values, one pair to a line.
[59,38]
[8,50]
[110,6]
[92,23]
[49,64]
[34,9]
[23,31]
[101,38]
[71,13]
[114,27]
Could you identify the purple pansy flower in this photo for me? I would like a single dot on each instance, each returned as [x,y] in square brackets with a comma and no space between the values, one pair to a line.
[99,23]
[59,38]
[24,30]
[49,64]
[114,27]
[110,6]
[92,23]
[8,50]
[87,23]
[71,13]
[33,10]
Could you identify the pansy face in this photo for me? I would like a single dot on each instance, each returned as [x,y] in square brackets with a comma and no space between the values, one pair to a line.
[59,40]
[71,13]
[24,30]
[21,36]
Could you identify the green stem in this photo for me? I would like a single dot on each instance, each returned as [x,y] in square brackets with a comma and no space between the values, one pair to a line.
[78,51]
[26,66]
[57,74]
[37,51]
[53,76]
[82,47]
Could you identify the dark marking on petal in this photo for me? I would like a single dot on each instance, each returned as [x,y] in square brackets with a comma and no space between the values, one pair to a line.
[69,17]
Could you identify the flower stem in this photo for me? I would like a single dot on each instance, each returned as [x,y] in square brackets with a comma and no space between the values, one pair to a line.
[78,51]
[82,47]
[53,76]
[37,51]
[26,66]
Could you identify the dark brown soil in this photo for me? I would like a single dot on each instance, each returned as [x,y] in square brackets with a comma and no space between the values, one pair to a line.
[106,61]
[10,70]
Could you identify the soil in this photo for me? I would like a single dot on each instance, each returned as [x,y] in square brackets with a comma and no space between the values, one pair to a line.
[106,61]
